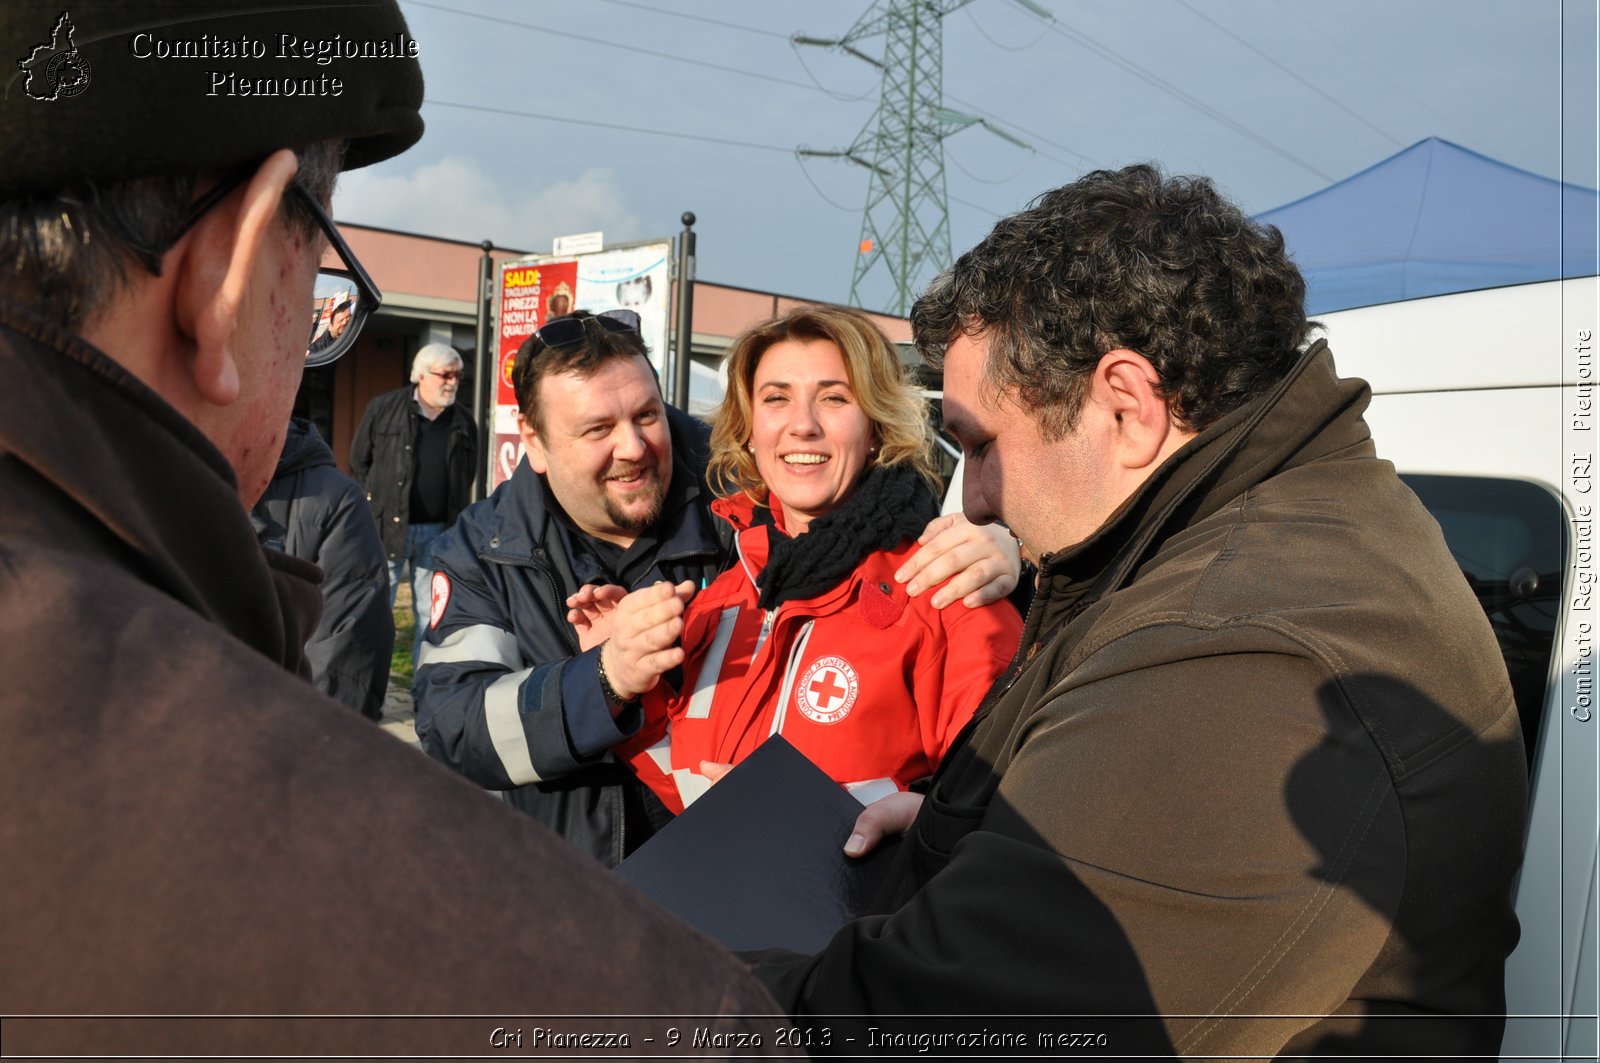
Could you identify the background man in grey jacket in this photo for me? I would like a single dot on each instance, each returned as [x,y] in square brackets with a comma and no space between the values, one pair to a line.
[416,452]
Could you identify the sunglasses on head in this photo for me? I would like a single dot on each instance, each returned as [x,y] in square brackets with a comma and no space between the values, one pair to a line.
[565,331]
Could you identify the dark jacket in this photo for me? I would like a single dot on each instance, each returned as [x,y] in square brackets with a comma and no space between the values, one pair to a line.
[192,829]
[503,694]
[1258,763]
[381,459]
[314,512]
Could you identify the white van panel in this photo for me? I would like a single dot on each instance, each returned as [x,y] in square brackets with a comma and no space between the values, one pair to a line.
[1515,433]
[1462,386]
[1499,338]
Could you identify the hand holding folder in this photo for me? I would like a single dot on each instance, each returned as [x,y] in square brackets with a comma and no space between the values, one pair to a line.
[759,862]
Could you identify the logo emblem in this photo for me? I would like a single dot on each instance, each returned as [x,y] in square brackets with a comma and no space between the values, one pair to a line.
[57,70]
[828,690]
[441,598]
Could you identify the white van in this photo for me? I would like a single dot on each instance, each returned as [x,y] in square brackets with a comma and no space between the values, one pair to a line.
[1485,402]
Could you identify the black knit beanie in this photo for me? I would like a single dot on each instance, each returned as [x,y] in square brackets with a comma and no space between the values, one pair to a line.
[103,90]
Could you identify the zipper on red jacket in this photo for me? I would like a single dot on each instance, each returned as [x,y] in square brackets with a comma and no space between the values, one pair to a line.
[766,629]
[792,665]
[770,615]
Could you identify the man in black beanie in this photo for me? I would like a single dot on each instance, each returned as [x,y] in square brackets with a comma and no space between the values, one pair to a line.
[190,828]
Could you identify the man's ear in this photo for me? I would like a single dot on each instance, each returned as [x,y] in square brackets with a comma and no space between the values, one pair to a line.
[1125,387]
[532,444]
[222,254]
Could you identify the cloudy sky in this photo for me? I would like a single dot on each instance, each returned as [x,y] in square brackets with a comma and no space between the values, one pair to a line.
[618,115]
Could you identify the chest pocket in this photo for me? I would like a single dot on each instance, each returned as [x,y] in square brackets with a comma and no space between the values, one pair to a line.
[391,436]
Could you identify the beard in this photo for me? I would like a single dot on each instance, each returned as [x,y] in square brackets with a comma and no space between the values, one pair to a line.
[646,507]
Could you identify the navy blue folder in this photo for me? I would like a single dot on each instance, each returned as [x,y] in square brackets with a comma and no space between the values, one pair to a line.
[758,861]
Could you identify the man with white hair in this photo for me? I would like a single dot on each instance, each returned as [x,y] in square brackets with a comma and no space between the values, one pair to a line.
[415,451]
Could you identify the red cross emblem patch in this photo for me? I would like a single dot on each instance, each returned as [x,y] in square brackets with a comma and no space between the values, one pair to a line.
[441,598]
[828,690]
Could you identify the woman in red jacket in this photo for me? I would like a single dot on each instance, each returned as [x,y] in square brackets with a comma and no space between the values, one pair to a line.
[820,456]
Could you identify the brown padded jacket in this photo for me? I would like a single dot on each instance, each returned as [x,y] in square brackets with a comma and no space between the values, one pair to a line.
[1257,784]
[191,829]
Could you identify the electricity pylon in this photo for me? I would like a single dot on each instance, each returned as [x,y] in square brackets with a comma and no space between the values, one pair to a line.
[905,228]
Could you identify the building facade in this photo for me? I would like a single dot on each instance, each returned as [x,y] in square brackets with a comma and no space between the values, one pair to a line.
[430,295]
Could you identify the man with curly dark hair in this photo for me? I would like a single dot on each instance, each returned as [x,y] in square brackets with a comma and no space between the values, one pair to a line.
[1254,784]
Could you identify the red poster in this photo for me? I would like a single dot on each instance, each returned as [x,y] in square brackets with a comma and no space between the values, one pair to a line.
[529,296]
[507,452]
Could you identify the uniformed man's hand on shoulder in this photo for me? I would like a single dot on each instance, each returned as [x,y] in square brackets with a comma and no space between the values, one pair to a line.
[980,562]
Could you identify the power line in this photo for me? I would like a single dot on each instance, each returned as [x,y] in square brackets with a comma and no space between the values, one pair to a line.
[1027,159]
[814,86]
[1030,134]
[842,97]
[1094,47]
[1003,47]
[981,209]
[799,158]
[1375,70]
[701,18]
[1077,37]
[613,44]
[1381,132]
[591,123]
[729,142]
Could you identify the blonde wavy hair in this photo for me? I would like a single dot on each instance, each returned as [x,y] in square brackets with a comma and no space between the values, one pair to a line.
[877,379]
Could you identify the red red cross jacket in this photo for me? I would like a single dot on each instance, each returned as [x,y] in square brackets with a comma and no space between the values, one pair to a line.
[869,683]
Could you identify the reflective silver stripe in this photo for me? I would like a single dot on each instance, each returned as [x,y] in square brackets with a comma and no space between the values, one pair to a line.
[691,785]
[505,728]
[782,714]
[711,670]
[475,642]
[661,754]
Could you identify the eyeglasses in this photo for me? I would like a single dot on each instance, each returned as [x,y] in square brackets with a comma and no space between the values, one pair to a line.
[352,283]
[451,374]
[337,291]
[565,331]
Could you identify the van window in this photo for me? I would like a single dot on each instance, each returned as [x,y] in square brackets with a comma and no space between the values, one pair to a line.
[1509,537]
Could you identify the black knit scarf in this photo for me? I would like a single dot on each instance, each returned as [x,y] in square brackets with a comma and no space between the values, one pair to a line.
[891,504]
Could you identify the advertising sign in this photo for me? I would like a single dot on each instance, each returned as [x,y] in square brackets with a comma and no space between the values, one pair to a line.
[538,288]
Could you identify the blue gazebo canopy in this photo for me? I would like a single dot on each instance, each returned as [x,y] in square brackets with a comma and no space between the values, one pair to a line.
[1436,218]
